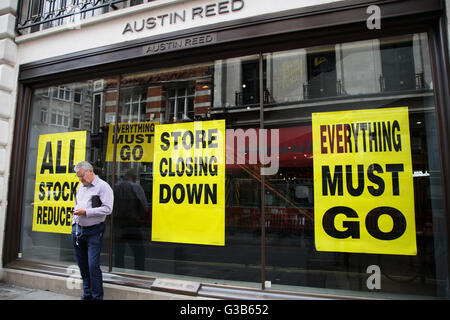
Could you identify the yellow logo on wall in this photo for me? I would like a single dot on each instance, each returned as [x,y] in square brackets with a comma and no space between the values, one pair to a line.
[134,142]
[363,182]
[56,183]
[189,183]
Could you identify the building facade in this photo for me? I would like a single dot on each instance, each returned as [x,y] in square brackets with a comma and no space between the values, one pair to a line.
[348,196]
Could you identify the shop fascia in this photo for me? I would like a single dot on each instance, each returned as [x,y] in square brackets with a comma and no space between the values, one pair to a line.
[195,13]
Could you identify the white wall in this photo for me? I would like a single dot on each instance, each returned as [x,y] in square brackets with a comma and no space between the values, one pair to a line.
[8,83]
[109,28]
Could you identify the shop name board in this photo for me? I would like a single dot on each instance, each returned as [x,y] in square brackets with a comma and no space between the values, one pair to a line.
[195,14]
[179,44]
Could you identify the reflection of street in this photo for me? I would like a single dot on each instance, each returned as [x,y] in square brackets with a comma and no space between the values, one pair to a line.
[291,260]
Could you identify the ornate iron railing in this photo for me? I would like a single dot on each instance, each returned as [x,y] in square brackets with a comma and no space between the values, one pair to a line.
[311,91]
[239,99]
[420,83]
[36,15]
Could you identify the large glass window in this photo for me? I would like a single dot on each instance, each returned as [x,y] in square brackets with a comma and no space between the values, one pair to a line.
[374,74]
[57,110]
[177,95]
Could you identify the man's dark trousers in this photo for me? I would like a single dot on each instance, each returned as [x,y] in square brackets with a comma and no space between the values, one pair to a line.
[87,242]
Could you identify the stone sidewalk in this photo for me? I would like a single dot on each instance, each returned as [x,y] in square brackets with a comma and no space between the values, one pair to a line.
[11,292]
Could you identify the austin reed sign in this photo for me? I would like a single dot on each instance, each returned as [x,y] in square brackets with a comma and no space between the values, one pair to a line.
[219,8]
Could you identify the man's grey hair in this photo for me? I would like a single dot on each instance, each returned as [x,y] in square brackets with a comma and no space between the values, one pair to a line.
[83,165]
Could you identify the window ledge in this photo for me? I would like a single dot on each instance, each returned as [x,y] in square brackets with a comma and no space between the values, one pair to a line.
[206,290]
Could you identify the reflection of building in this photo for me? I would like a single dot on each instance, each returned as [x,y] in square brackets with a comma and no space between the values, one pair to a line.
[355,68]
[174,95]
[290,78]
[66,107]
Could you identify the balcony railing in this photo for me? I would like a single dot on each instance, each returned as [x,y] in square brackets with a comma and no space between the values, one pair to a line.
[419,83]
[240,101]
[316,91]
[36,15]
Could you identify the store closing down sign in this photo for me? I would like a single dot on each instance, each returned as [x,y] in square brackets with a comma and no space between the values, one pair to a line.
[134,142]
[56,182]
[363,182]
[189,183]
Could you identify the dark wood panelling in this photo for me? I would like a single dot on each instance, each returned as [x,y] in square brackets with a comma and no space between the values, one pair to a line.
[441,78]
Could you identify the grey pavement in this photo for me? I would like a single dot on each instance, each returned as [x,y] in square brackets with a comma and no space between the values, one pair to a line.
[12,292]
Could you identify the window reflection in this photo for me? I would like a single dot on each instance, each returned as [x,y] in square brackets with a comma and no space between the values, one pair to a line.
[379,73]
[375,73]
[57,109]
[174,95]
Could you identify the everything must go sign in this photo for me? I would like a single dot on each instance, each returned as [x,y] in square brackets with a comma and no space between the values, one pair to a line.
[363,182]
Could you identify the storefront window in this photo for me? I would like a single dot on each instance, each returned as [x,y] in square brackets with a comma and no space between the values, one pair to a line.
[390,74]
[373,74]
[170,96]
[56,111]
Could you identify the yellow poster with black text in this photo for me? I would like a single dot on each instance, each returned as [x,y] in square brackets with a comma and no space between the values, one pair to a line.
[134,142]
[189,183]
[363,182]
[56,182]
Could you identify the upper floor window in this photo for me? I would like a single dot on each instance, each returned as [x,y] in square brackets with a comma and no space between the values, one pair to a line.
[62,93]
[60,118]
[134,108]
[180,102]
[76,122]
[77,96]
[44,114]
[397,60]
[322,79]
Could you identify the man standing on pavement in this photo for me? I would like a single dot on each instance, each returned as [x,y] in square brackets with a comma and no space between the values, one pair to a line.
[93,202]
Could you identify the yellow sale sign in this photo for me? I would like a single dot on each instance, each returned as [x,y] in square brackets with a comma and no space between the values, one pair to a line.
[189,183]
[363,182]
[134,142]
[56,183]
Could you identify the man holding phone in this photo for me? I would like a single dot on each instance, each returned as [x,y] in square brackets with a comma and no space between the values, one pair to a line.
[93,202]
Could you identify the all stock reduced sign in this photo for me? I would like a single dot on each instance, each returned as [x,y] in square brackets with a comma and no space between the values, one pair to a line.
[56,182]
[363,182]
